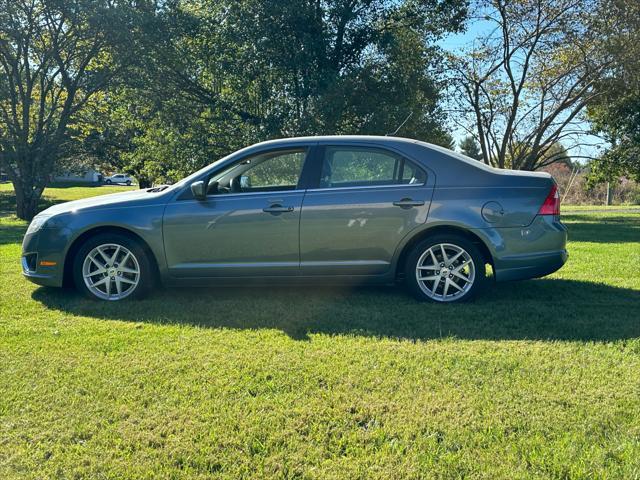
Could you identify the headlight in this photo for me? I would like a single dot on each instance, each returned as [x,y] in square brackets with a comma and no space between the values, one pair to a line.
[37,223]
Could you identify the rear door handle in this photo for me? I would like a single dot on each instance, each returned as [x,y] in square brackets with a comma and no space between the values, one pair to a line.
[408,203]
[277,208]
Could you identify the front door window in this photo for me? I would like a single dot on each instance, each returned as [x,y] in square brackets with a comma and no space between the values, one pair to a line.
[265,172]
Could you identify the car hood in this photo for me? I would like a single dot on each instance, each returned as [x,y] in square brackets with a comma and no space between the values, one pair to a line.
[135,198]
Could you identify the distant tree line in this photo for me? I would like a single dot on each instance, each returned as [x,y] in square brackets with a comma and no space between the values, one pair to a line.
[159,89]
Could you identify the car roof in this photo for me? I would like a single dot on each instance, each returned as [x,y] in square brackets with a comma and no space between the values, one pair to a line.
[339,139]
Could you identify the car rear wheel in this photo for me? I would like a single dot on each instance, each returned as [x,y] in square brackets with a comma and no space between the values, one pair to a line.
[445,268]
[112,267]
[108,181]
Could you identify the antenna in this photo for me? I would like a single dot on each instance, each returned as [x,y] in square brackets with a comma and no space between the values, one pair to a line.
[401,125]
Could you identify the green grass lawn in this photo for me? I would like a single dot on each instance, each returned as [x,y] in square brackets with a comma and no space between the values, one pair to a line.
[536,379]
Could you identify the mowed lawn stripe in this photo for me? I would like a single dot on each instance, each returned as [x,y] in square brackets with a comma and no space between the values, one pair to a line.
[535,379]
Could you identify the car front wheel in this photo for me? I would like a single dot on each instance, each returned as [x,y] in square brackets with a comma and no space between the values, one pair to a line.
[445,268]
[112,267]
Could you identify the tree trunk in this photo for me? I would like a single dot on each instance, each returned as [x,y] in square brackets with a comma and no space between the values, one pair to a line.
[27,198]
[143,182]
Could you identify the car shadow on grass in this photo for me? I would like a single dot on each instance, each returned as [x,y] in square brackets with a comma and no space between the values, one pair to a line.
[546,309]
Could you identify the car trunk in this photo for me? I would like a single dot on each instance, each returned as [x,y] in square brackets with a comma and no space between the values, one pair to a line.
[518,199]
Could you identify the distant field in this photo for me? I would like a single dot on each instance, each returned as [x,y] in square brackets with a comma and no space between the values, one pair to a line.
[56,195]
[536,379]
[604,208]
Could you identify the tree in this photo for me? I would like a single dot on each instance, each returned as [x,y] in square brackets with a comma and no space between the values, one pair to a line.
[55,55]
[213,81]
[316,67]
[470,148]
[523,87]
[154,137]
[558,154]
[614,112]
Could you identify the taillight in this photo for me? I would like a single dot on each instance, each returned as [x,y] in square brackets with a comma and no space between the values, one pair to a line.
[551,204]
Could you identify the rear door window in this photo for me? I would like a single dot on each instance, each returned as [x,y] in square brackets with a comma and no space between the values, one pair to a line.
[362,167]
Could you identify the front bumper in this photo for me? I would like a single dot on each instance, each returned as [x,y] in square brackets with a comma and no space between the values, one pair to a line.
[44,279]
[42,258]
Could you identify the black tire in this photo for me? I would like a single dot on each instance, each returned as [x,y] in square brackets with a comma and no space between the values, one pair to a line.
[128,183]
[417,288]
[145,282]
[108,181]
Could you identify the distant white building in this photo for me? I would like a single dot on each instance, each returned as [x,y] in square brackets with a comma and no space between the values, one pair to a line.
[90,176]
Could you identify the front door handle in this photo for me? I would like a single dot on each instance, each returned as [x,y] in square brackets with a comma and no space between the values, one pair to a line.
[277,208]
[408,203]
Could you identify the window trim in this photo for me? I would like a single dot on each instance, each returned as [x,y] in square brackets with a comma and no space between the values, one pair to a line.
[368,187]
[319,156]
[272,193]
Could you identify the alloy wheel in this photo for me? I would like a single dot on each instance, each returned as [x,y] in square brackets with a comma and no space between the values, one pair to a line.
[111,271]
[445,272]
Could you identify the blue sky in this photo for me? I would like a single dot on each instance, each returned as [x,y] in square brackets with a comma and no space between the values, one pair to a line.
[474,29]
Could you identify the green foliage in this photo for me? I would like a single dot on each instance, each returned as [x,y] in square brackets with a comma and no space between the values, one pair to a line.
[213,80]
[470,148]
[614,112]
[621,160]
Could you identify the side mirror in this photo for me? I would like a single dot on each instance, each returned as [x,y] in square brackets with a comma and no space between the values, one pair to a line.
[198,190]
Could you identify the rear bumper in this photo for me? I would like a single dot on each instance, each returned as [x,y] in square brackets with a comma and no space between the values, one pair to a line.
[533,251]
[522,267]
